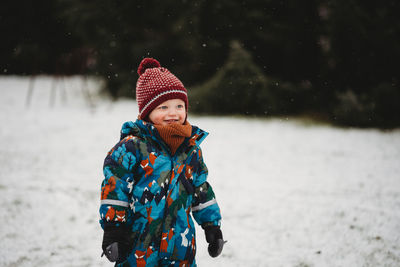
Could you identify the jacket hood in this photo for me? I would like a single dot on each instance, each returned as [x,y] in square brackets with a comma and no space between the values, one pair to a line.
[131,128]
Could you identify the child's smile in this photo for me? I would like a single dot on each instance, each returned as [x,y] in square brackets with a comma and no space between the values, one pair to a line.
[171,121]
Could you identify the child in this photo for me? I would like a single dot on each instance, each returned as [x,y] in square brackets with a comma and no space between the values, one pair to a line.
[154,178]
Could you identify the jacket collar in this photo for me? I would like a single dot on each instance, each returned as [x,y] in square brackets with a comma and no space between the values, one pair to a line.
[143,129]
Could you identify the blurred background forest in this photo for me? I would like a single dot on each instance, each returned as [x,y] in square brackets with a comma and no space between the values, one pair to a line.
[333,60]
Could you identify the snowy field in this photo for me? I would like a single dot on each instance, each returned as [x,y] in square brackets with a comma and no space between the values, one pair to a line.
[291,193]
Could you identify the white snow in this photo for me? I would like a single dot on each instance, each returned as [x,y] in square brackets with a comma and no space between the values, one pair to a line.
[291,193]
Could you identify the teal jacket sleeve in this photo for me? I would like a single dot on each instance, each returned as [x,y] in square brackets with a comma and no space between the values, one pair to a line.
[117,185]
[205,208]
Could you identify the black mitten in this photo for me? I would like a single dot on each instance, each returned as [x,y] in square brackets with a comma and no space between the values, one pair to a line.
[116,245]
[214,239]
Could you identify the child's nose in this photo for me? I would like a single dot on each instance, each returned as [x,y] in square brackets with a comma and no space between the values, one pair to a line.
[171,111]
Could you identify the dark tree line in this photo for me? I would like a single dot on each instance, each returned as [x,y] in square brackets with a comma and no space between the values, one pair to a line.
[337,59]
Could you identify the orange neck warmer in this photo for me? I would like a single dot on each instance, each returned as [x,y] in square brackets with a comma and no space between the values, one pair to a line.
[174,134]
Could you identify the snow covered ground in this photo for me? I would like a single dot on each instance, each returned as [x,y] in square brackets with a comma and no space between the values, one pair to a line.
[291,193]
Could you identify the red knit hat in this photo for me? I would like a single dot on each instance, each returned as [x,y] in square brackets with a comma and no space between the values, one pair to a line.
[155,86]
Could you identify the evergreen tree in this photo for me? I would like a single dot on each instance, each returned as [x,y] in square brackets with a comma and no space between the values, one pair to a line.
[238,87]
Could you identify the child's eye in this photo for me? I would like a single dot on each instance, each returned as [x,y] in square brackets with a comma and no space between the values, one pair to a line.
[180,106]
[163,107]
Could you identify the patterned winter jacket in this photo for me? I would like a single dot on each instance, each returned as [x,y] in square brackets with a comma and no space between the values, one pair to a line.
[154,193]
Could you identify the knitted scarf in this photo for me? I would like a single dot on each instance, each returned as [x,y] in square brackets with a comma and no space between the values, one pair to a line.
[174,134]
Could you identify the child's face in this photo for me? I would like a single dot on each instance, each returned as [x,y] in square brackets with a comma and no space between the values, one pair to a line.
[168,112]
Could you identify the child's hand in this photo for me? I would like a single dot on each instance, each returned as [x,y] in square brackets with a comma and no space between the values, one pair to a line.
[115,244]
[111,252]
[214,239]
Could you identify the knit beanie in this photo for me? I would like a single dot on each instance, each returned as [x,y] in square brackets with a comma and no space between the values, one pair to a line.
[155,86]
